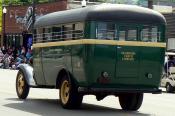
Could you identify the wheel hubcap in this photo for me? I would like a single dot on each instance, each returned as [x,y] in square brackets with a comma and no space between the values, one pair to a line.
[65,92]
[20,83]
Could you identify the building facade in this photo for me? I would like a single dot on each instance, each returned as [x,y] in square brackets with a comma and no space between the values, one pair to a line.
[0,21]
[16,33]
[170,18]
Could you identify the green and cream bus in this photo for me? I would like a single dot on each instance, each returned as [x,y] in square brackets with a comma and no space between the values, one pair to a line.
[103,50]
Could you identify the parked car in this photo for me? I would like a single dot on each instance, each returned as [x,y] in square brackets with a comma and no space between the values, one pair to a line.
[168,78]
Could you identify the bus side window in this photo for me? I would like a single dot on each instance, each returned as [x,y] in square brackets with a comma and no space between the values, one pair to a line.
[44,38]
[132,34]
[67,32]
[35,36]
[122,35]
[105,31]
[78,31]
[47,34]
[57,33]
[39,34]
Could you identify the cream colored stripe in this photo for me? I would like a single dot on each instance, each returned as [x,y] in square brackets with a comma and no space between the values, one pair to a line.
[58,43]
[100,42]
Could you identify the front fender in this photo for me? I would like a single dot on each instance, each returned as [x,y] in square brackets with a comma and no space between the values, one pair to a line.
[28,73]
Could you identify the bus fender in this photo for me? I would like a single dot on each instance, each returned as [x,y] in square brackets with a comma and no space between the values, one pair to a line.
[61,73]
[28,73]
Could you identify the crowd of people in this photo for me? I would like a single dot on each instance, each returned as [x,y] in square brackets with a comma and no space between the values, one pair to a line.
[13,56]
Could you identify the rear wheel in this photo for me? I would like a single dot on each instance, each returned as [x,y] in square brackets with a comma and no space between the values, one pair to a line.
[131,101]
[69,96]
[22,88]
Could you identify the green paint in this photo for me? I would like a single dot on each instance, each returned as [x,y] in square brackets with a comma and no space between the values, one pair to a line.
[127,67]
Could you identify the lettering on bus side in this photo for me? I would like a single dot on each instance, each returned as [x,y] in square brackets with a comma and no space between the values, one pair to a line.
[128,56]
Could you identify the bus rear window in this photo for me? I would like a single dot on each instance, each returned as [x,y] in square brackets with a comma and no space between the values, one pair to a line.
[150,34]
[128,33]
[105,31]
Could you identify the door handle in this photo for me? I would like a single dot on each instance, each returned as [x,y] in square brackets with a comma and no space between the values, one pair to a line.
[118,47]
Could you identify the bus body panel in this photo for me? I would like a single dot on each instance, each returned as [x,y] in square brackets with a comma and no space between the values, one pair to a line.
[127,62]
[127,66]
[104,60]
[151,64]
[136,67]
[79,62]
[143,73]
[54,59]
[38,67]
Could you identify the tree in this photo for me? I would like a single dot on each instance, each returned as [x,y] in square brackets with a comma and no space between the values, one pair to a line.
[21,2]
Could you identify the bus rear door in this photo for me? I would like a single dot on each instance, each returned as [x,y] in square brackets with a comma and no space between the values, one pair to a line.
[127,54]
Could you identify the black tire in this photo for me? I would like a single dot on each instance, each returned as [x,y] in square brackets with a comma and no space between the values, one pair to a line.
[169,88]
[22,88]
[69,96]
[131,101]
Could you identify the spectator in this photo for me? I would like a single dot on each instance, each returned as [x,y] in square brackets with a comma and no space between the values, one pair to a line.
[6,61]
[14,51]
[28,54]
[13,57]
[23,51]
[3,49]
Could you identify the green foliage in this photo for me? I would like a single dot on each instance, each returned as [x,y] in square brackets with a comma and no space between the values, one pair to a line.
[21,2]
[24,1]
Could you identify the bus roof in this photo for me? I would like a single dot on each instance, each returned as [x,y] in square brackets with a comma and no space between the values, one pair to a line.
[103,12]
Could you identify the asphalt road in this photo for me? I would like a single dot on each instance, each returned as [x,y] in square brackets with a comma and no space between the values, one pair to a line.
[45,102]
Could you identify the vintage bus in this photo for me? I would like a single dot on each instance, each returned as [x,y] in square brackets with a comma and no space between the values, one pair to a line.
[102,50]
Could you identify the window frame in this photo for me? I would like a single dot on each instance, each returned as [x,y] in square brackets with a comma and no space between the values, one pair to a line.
[128,27]
[159,33]
[115,30]
[44,37]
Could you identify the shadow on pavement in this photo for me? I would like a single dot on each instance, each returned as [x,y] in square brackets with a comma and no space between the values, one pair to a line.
[52,107]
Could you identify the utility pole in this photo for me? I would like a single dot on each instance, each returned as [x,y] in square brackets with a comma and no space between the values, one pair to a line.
[150,4]
[33,15]
[4,11]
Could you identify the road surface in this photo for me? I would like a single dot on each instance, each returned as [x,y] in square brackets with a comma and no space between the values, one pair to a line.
[45,102]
